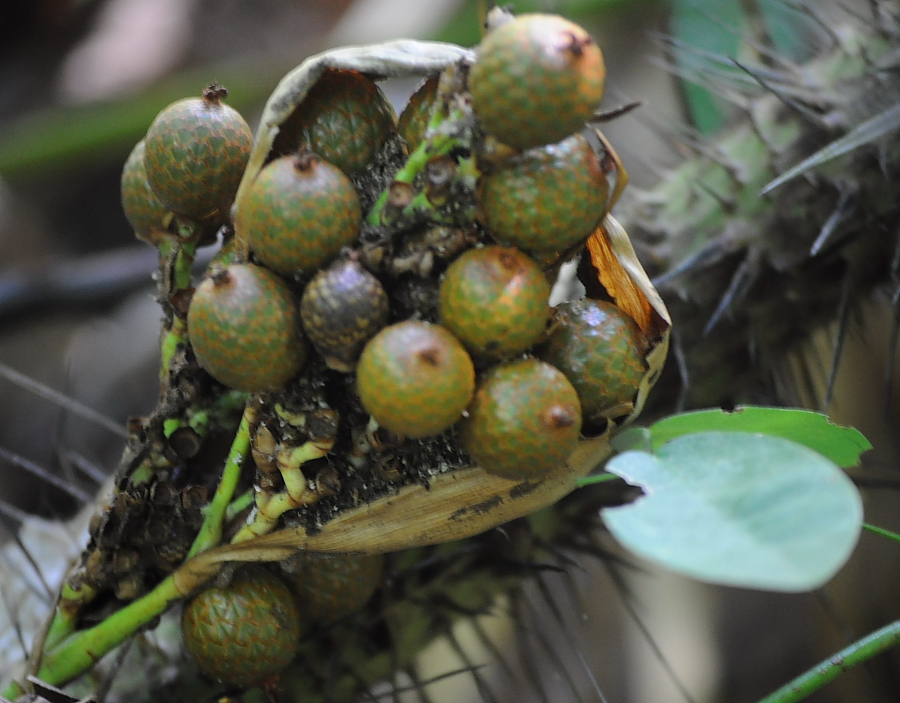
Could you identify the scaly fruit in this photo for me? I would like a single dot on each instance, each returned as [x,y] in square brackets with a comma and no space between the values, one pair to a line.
[146,214]
[415,378]
[600,350]
[342,308]
[331,586]
[345,118]
[524,420]
[413,120]
[537,79]
[547,199]
[494,300]
[299,213]
[197,150]
[244,328]
[243,633]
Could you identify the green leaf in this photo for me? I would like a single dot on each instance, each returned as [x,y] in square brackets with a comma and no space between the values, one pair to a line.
[842,445]
[740,510]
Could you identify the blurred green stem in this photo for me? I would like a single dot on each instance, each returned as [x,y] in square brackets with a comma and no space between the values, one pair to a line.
[858,652]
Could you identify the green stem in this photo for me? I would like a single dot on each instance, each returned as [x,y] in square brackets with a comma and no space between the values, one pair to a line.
[65,617]
[881,531]
[591,480]
[239,504]
[858,652]
[81,651]
[210,533]
[439,144]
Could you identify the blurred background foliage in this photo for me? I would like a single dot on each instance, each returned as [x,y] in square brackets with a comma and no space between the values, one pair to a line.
[81,80]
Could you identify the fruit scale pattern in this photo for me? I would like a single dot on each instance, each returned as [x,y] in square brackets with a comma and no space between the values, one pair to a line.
[369,376]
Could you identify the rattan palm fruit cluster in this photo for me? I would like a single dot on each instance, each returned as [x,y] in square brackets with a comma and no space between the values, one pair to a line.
[380,304]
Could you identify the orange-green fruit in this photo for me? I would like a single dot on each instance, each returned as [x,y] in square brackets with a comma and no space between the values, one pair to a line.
[546,199]
[197,150]
[523,421]
[342,308]
[599,349]
[415,378]
[299,213]
[148,217]
[537,79]
[243,633]
[413,120]
[345,118]
[244,326]
[329,587]
[494,300]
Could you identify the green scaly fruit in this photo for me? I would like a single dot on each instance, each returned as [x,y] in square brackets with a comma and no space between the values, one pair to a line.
[538,78]
[329,587]
[244,327]
[494,300]
[345,118]
[600,350]
[243,633]
[547,199]
[413,121]
[415,378]
[342,308]
[146,214]
[299,213]
[197,150]
[524,420]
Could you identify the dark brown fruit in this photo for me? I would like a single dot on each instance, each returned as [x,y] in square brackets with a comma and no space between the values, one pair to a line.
[600,350]
[537,80]
[345,118]
[494,300]
[342,308]
[330,587]
[197,150]
[245,632]
[414,119]
[415,378]
[244,327]
[547,199]
[524,420]
[149,218]
[299,213]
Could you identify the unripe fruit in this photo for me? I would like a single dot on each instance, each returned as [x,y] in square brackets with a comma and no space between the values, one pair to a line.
[197,150]
[413,121]
[145,213]
[345,118]
[523,421]
[546,199]
[299,213]
[600,350]
[329,587]
[245,632]
[495,301]
[342,308]
[537,79]
[415,378]
[244,327]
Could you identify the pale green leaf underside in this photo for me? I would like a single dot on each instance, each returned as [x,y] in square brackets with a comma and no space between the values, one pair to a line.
[739,509]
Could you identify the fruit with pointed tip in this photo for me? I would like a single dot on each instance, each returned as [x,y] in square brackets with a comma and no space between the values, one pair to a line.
[415,378]
[244,328]
[196,153]
[523,421]
[537,79]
